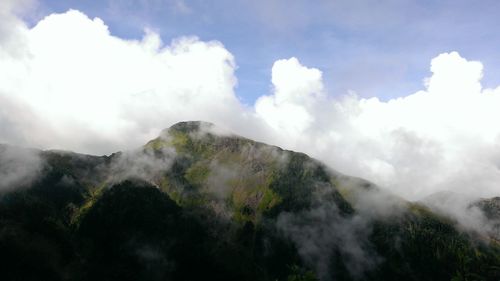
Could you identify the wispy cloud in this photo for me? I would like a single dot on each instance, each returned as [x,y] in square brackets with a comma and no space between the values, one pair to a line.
[18,167]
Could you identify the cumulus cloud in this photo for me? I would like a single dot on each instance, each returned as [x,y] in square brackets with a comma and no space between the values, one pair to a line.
[70,84]
[443,137]
[79,80]
[12,41]
[296,91]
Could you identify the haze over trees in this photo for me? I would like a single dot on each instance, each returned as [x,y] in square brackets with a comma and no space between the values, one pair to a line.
[199,203]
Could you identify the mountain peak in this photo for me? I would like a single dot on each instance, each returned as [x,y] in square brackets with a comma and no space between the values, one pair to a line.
[196,128]
[191,136]
[190,126]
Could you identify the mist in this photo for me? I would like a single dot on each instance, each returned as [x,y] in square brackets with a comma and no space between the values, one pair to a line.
[18,167]
[143,163]
[324,235]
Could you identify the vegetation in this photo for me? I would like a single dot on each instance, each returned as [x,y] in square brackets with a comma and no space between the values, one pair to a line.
[218,213]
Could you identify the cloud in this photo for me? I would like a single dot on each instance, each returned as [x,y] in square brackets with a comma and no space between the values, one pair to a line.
[79,80]
[145,164]
[463,209]
[323,234]
[12,41]
[296,90]
[18,167]
[70,84]
[443,137]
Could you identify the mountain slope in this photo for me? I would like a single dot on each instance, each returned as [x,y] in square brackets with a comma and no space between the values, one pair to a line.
[491,210]
[200,203]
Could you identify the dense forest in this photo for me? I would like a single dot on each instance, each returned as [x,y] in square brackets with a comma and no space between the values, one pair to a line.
[198,204]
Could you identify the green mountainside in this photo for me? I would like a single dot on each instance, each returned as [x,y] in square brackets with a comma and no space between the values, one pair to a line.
[198,203]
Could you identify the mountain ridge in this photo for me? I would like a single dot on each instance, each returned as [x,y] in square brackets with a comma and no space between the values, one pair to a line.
[234,209]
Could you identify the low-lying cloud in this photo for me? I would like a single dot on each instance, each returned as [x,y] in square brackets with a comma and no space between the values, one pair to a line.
[146,164]
[322,234]
[68,83]
[18,167]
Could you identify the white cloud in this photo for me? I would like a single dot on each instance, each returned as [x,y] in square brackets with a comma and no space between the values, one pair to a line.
[296,90]
[18,167]
[443,137]
[70,84]
[80,81]
[11,27]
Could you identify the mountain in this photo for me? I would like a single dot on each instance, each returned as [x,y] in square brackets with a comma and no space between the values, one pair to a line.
[479,214]
[491,207]
[199,203]
[491,210]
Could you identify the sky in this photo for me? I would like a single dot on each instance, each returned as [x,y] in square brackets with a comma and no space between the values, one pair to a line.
[375,48]
[402,93]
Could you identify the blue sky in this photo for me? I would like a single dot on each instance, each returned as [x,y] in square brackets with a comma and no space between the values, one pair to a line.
[376,48]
